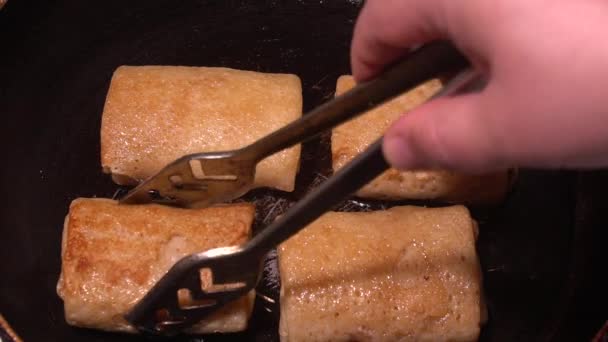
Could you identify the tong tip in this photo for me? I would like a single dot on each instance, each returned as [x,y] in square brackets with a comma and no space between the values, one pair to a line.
[135,196]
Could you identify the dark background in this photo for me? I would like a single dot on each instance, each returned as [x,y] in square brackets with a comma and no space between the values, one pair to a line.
[542,251]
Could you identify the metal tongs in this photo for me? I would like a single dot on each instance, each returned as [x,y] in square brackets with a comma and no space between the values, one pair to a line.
[202,179]
[206,178]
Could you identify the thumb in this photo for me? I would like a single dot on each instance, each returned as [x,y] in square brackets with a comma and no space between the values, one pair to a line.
[448,133]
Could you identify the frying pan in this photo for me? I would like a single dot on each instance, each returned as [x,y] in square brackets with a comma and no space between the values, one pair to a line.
[56,60]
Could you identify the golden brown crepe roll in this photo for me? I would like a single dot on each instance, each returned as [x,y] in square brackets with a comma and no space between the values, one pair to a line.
[113,254]
[404,274]
[156,114]
[353,137]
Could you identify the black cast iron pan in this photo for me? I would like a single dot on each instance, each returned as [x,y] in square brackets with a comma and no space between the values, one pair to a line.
[56,60]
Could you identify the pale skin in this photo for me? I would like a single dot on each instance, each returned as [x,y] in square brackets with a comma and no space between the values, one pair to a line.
[546,61]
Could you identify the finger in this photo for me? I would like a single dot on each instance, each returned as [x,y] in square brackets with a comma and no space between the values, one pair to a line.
[387,29]
[448,133]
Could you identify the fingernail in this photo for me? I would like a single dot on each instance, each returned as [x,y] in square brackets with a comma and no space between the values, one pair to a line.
[396,151]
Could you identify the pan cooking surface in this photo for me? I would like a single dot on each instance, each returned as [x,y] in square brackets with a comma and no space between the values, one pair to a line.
[56,62]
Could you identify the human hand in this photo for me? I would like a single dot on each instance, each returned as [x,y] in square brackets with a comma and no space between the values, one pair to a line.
[546,102]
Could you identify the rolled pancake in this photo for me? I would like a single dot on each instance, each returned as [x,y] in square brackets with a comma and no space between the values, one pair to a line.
[113,254]
[156,114]
[404,274]
[353,137]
